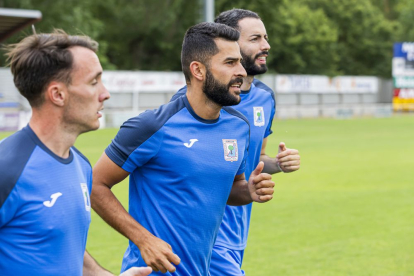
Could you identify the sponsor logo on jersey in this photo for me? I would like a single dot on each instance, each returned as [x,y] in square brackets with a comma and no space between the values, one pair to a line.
[86,197]
[230,150]
[54,197]
[258,114]
[192,141]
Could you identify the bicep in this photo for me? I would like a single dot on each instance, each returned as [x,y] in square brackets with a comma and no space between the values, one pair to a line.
[107,173]
[239,177]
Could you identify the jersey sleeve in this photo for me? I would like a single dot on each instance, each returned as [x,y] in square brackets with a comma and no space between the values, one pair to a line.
[242,167]
[9,208]
[263,86]
[15,152]
[269,124]
[136,142]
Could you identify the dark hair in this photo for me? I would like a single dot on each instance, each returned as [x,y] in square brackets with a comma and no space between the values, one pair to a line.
[199,44]
[41,58]
[232,17]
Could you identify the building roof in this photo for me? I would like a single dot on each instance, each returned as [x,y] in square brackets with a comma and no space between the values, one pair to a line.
[14,20]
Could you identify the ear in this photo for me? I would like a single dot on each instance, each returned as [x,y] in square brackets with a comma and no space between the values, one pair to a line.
[56,92]
[198,70]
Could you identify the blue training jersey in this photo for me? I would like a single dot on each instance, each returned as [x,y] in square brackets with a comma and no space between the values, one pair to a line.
[182,169]
[258,105]
[44,208]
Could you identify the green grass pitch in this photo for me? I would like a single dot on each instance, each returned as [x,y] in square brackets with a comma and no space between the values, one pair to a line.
[348,211]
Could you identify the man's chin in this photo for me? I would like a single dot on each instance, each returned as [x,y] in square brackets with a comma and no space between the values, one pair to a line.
[235,101]
[258,70]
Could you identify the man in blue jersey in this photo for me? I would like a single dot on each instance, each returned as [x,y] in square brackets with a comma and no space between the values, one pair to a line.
[185,161]
[258,105]
[45,182]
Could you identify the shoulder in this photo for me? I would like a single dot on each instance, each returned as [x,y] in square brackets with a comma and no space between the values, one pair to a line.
[15,152]
[139,129]
[76,151]
[152,120]
[257,83]
[236,114]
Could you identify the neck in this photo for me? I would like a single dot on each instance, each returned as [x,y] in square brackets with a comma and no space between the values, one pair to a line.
[201,105]
[247,83]
[49,129]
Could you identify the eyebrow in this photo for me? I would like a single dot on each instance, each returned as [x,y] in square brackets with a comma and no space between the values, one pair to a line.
[97,75]
[258,35]
[232,59]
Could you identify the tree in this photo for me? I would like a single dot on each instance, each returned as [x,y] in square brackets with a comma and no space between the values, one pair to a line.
[146,35]
[330,37]
[405,11]
[75,17]
[365,36]
[132,34]
[302,40]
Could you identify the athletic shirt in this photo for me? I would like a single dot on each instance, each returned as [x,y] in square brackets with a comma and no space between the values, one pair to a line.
[258,105]
[182,169]
[44,208]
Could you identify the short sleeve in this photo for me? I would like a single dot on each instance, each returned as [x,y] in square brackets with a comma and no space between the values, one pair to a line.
[242,167]
[269,125]
[136,142]
[9,208]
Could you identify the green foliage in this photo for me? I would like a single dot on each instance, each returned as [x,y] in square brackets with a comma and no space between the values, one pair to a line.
[325,37]
[146,35]
[405,10]
[365,36]
[331,37]
[133,35]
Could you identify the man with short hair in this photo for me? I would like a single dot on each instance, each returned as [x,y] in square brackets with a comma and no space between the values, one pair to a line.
[185,160]
[45,182]
[258,105]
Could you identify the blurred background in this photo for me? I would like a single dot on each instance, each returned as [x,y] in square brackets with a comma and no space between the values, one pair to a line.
[329,58]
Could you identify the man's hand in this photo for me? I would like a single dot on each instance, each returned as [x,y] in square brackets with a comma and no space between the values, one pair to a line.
[261,185]
[288,159]
[158,254]
[137,271]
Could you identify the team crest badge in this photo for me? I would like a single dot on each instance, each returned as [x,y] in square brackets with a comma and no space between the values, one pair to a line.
[86,197]
[258,113]
[230,150]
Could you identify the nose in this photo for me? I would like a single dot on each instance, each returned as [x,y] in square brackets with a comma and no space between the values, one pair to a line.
[104,94]
[265,45]
[240,71]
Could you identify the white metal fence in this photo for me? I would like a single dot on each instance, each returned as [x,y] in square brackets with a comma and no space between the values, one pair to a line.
[297,96]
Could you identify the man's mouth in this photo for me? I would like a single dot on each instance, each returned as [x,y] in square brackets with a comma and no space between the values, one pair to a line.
[262,57]
[236,83]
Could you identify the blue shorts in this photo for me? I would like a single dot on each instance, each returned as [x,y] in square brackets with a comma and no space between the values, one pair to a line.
[226,262]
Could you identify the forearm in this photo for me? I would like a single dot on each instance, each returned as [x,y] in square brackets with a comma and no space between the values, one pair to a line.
[239,194]
[270,164]
[107,206]
[92,268]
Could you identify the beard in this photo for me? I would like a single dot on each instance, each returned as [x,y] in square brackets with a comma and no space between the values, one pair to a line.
[219,93]
[249,65]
